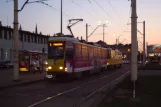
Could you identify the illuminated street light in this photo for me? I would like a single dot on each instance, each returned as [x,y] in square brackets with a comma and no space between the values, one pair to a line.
[117,38]
[103,24]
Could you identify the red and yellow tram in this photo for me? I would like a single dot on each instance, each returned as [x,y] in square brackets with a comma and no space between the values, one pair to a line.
[67,55]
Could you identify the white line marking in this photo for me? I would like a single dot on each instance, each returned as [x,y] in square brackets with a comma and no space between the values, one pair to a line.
[54,96]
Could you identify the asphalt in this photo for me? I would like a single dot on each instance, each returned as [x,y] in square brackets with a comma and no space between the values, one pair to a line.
[44,92]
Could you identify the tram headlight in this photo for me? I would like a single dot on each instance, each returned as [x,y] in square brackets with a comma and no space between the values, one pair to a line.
[46,62]
[60,68]
[66,69]
[49,67]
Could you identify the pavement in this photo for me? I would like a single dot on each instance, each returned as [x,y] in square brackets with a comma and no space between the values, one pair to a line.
[6,78]
[149,72]
[57,94]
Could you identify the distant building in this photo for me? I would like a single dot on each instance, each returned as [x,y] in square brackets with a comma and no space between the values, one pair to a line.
[27,41]
[154,53]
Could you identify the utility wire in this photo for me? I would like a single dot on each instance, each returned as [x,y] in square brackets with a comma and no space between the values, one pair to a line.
[113,8]
[55,9]
[101,7]
[106,12]
[81,7]
[84,10]
[89,1]
[128,20]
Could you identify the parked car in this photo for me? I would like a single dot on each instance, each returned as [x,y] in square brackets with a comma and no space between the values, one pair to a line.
[5,64]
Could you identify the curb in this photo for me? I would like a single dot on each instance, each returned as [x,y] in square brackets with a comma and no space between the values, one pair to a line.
[21,84]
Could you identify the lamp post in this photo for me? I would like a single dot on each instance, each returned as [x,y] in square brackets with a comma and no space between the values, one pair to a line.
[87,32]
[61,19]
[98,25]
[16,42]
[134,44]
[143,41]
[103,24]
[117,40]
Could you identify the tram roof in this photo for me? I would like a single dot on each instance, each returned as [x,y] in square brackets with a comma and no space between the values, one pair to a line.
[74,40]
[63,38]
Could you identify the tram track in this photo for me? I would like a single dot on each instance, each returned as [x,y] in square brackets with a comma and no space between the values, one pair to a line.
[64,93]
[99,90]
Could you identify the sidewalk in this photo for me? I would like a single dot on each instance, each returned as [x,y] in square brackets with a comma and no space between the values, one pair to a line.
[6,78]
[149,72]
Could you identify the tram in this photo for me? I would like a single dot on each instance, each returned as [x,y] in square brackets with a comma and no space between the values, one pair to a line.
[114,58]
[70,56]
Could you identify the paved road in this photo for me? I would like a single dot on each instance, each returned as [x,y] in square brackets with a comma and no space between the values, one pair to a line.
[57,94]
[6,77]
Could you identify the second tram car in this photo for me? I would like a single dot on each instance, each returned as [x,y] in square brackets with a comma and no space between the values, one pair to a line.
[114,58]
[67,55]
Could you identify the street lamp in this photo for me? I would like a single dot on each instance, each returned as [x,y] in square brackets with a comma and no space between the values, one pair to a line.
[103,24]
[143,39]
[99,23]
[117,39]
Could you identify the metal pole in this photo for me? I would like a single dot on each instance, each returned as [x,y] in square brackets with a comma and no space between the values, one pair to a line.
[116,43]
[134,40]
[134,44]
[137,46]
[16,42]
[143,43]
[147,51]
[86,32]
[61,18]
[103,31]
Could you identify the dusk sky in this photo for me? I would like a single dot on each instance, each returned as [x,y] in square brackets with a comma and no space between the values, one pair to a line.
[48,19]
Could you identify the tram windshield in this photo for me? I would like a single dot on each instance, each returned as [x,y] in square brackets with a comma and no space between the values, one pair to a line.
[56,51]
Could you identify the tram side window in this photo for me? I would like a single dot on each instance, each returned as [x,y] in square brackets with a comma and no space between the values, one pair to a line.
[98,53]
[90,50]
[78,51]
[105,54]
[84,52]
[108,54]
[95,52]
[102,54]
[69,53]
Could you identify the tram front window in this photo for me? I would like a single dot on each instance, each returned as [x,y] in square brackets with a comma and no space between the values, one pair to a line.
[55,52]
